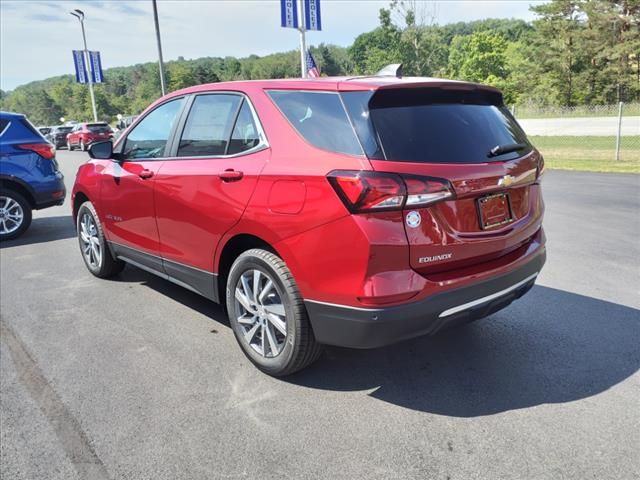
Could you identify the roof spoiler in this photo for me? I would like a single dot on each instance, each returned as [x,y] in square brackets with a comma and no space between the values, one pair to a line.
[393,70]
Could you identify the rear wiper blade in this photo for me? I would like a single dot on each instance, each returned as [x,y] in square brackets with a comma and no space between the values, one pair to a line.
[507,148]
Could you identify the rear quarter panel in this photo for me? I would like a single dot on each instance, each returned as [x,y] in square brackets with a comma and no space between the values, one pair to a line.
[87,182]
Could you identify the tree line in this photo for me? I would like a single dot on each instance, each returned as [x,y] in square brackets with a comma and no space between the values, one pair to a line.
[576,52]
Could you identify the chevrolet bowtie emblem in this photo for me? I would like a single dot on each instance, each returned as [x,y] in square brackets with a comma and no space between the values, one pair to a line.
[506,181]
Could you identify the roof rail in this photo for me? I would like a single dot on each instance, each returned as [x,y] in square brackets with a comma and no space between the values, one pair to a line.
[393,70]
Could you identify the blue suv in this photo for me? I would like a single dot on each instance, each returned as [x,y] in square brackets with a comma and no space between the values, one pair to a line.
[29,174]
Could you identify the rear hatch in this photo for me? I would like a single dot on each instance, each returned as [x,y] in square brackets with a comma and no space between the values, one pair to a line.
[461,142]
[99,130]
[61,132]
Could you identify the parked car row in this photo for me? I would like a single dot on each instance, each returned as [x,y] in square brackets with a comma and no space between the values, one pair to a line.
[58,135]
[84,134]
[29,174]
[79,135]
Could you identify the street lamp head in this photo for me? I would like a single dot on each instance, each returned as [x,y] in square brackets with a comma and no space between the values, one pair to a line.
[79,14]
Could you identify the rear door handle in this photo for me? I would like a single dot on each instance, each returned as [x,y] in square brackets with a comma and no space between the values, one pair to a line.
[144,174]
[230,175]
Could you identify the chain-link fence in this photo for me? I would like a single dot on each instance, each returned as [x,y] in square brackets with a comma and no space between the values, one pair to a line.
[598,137]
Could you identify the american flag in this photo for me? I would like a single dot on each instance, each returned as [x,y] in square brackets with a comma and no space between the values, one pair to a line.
[312,69]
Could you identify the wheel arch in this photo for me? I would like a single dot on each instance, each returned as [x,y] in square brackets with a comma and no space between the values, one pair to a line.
[233,247]
[78,199]
[17,185]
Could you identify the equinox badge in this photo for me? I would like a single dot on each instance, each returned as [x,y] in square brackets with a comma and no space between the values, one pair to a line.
[435,258]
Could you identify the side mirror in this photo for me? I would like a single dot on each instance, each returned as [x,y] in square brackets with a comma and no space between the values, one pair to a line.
[101,150]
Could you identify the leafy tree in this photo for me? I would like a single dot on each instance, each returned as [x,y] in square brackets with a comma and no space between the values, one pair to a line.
[478,57]
[179,75]
[556,47]
[421,46]
[327,63]
[611,41]
[374,50]
[511,30]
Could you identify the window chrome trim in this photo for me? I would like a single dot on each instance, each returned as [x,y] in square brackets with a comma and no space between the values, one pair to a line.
[262,145]
[5,128]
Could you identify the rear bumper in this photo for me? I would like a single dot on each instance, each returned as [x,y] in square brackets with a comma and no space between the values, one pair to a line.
[53,195]
[375,327]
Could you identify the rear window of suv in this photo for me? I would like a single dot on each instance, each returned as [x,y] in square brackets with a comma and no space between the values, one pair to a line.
[433,125]
[98,127]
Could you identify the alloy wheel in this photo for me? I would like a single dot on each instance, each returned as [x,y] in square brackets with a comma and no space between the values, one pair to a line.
[262,316]
[91,248]
[11,215]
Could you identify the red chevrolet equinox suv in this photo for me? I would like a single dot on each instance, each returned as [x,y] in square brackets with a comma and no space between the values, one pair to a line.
[84,134]
[354,212]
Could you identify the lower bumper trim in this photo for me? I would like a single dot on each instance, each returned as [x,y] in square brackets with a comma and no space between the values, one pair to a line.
[488,298]
[354,327]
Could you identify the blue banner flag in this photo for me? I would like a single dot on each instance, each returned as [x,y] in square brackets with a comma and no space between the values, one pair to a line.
[96,67]
[289,13]
[81,68]
[312,15]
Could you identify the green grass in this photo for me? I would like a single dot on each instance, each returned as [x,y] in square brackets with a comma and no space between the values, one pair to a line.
[628,110]
[593,154]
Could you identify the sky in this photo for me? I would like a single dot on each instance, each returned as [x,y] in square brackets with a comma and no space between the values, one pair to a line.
[36,37]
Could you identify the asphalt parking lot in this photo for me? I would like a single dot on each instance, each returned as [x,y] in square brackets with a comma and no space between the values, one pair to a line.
[137,378]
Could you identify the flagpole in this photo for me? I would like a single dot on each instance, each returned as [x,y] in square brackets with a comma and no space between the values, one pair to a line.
[303,48]
[79,14]
[160,61]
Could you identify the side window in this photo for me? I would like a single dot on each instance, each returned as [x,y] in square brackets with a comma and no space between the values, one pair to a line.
[208,125]
[3,125]
[320,118]
[149,138]
[245,134]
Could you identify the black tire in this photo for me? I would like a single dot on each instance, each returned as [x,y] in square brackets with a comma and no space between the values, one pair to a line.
[105,266]
[69,146]
[12,198]
[299,346]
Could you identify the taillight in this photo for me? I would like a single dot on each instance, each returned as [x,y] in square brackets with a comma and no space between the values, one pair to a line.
[45,150]
[423,191]
[363,191]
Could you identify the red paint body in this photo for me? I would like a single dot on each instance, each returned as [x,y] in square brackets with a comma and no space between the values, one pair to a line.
[185,212]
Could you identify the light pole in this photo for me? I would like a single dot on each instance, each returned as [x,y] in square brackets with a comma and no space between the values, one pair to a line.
[303,46]
[79,14]
[160,63]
